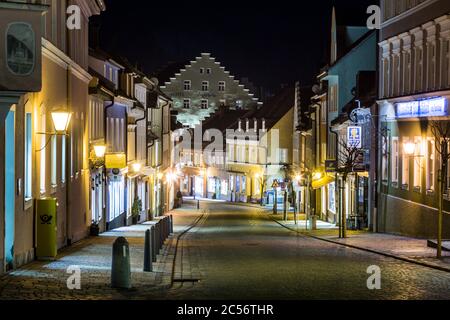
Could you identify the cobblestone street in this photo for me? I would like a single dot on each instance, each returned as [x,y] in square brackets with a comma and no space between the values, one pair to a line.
[230,252]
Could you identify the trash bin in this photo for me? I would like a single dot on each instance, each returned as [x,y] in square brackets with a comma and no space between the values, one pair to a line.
[46,227]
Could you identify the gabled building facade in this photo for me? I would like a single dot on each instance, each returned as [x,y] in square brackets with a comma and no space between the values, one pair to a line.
[200,87]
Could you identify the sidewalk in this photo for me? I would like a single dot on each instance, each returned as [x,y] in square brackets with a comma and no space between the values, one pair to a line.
[399,247]
[48,280]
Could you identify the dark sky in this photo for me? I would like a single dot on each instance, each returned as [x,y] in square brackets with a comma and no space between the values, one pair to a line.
[270,43]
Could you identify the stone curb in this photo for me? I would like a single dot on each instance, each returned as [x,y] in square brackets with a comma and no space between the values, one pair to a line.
[401,258]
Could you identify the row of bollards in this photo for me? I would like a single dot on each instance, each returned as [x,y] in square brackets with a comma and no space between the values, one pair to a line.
[154,242]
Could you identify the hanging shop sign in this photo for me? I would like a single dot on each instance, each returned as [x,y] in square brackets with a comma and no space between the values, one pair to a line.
[115,161]
[331,166]
[354,137]
[436,107]
[360,164]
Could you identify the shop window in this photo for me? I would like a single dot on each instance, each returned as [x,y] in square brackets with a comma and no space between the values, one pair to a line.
[431,164]
[395,160]
[28,156]
[405,167]
[418,165]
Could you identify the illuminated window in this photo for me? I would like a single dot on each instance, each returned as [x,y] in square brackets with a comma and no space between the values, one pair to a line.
[54,142]
[405,166]
[431,164]
[418,164]
[395,159]
[28,156]
[42,152]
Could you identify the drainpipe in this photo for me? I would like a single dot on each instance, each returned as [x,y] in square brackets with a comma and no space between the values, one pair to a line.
[105,136]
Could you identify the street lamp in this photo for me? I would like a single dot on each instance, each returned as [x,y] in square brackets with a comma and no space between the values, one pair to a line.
[136,167]
[409,148]
[317,175]
[100,151]
[61,121]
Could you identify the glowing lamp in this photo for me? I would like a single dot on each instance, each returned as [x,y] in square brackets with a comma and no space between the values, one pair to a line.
[409,148]
[160,176]
[99,151]
[136,167]
[317,176]
[61,121]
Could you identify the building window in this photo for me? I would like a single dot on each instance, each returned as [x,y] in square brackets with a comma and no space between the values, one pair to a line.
[208,71]
[239,104]
[395,160]
[63,158]
[202,70]
[418,164]
[205,85]
[405,167]
[187,85]
[221,86]
[431,164]
[186,103]
[204,104]
[333,98]
[28,156]
[384,160]
[42,152]
[53,177]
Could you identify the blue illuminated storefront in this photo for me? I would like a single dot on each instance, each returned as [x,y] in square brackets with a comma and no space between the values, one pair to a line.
[409,164]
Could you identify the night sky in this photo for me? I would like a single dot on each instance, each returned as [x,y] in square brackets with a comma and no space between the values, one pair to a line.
[270,45]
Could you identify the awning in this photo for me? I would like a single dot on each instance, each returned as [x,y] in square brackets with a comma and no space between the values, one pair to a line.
[322,182]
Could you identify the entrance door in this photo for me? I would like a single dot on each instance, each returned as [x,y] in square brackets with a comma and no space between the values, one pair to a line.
[9,190]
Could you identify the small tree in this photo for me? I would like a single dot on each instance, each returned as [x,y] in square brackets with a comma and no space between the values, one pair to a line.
[441,133]
[349,155]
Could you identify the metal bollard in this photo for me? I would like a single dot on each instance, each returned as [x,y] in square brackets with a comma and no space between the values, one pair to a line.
[153,243]
[120,269]
[166,228]
[161,235]
[148,257]
[198,204]
[171,224]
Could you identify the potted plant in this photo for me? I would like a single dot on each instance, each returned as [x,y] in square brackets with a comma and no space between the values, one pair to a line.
[94,229]
[136,210]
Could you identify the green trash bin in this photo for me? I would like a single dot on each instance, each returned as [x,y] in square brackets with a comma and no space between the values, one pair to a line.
[46,227]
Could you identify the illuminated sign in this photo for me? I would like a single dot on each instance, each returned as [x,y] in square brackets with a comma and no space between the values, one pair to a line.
[354,139]
[115,161]
[436,107]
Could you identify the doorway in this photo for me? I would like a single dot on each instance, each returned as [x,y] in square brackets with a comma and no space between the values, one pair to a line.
[9,189]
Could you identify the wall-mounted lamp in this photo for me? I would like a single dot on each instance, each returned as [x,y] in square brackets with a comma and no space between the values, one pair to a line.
[61,121]
[409,148]
[136,167]
[100,151]
[317,175]
[160,175]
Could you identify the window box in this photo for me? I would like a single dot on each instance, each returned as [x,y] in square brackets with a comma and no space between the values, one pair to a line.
[405,187]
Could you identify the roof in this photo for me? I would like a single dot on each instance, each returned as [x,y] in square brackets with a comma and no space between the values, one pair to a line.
[168,71]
